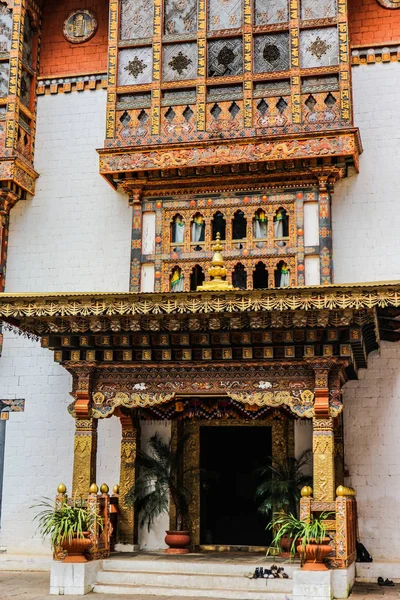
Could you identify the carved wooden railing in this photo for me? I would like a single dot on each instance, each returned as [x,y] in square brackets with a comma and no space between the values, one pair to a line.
[341,527]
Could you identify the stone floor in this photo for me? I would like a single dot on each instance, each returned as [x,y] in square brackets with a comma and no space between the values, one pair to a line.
[35,586]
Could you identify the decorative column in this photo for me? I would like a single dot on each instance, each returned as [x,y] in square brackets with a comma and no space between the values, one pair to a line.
[7,201]
[325,233]
[85,442]
[126,516]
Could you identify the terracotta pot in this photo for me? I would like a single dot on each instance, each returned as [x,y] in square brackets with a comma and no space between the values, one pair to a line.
[286,543]
[76,549]
[178,542]
[315,555]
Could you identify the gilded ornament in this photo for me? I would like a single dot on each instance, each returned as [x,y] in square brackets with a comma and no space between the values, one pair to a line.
[61,489]
[80,26]
[116,489]
[306,491]
[104,489]
[93,489]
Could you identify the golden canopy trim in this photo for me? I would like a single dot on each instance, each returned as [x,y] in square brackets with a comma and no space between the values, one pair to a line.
[31,307]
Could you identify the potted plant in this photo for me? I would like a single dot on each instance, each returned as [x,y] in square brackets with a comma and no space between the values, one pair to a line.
[279,491]
[68,527]
[309,538]
[160,480]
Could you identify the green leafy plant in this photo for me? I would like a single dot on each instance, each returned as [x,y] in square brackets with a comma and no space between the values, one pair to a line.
[66,522]
[160,479]
[282,483]
[312,531]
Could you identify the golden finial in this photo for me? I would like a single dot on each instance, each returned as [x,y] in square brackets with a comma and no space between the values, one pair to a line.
[116,489]
[217,271]
[93,489]
[61,488]
[104,488]
[306,491]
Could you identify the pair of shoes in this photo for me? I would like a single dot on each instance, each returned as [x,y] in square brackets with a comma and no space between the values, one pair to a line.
[385,582]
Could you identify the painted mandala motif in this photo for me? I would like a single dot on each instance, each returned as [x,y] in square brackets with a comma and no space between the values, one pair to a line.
[135,67]
[389,3]
[180,62]
[80,26]
[319,47]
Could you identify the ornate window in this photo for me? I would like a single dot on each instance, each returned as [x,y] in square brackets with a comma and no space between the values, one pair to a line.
[260,277]
[178,231]
[239,226]
[197,278]
[239,277]
[218,226]
[281,224]
[198,231]
[282,275]
[177,280]
[260,225]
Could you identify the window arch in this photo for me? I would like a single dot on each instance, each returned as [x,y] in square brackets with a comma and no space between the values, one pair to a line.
[281,224]
[177,280]
[177,229]
[260,277]
[239,277]
[239,226]
[260,225]
[198,228]
[218,226]
[282,274]
[197,278]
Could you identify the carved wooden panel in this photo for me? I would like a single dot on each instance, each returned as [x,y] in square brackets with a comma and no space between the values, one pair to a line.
[179,62]
[178,121]
[132,124]
[318,9]
[4,76]
[267,12]
[136,19]
[319,47]
[180,16]
[271,52]
[224,14]
[135,66]
[5,27]
[225,57]
[26,85]
[28,41]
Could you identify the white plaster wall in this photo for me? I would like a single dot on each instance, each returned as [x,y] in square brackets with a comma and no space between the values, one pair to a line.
[372,445]
[303,434]
[74,235]
[366,241]
[366,219]
[108,452]
[154,539]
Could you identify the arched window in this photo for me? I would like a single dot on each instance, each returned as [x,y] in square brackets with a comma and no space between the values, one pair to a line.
[260,277]
[282,275]
[198,229]
[281,224]
[177,280]
[219,226]
[239,277]
[239,226]
[177,230]
[197,278]
[260,225]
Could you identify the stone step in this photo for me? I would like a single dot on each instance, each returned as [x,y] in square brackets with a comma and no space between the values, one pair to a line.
[193,580]
[168,592]
[195,564]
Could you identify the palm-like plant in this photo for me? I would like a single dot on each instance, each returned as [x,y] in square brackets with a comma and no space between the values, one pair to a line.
[312,531]
[160,478]
[284,479]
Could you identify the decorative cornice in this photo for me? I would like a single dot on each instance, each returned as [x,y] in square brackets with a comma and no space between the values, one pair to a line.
[14,307]
[67,84]
[379,53]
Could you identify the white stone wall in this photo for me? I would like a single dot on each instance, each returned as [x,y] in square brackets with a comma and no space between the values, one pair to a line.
[366,242]
[366,219]
[74,235]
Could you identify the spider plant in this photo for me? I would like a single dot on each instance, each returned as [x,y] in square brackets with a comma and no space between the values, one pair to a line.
[160,479]
[307,532]
[66,522]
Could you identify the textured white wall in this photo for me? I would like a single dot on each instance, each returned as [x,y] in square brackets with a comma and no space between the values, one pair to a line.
[74,235]
[366,224]
[366,220]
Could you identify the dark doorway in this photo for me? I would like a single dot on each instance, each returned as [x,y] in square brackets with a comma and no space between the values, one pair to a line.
[229,457]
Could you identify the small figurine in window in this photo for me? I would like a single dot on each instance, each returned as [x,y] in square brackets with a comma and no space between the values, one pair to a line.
[260,225]
[278,225]
[198,229]
[285,276]
[177,280]
[178,230]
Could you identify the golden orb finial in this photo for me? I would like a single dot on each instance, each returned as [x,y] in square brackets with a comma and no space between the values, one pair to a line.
[306,491]
[104,488]
[217,271]
[341,491]
[93,489]
[61,488]
[116,489]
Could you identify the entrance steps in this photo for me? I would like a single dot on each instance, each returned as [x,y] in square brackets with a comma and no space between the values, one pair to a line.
[184,577]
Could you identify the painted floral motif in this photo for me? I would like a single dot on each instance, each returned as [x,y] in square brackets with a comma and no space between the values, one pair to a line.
[135,67]
[180,62]
[319,47]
